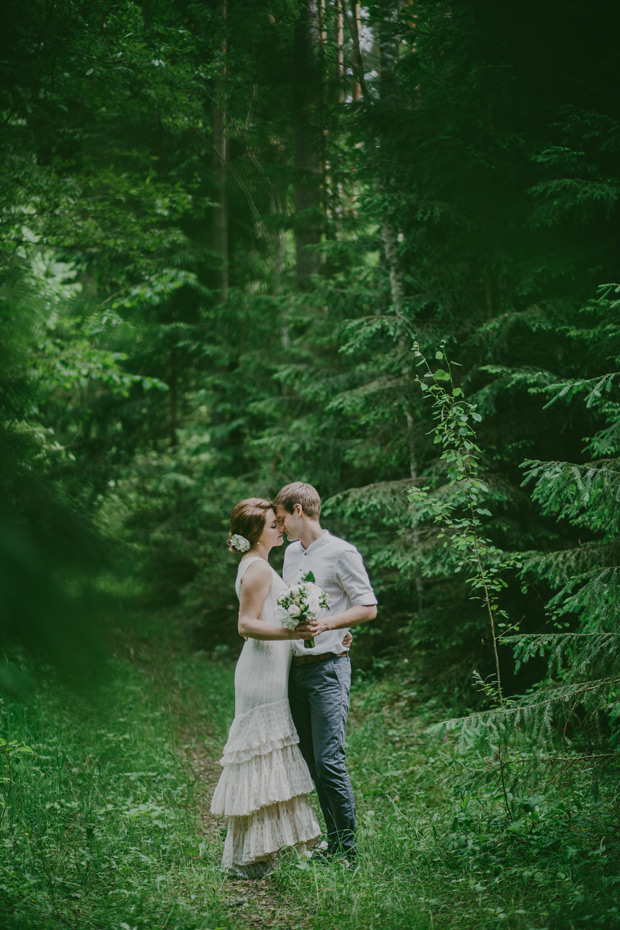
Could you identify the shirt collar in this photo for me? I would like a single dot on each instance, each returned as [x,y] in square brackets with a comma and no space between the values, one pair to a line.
[325,535]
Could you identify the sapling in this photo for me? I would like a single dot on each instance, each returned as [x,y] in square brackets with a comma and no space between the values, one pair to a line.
[460,512]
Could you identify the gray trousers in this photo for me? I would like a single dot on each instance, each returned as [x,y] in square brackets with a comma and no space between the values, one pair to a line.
[319,699]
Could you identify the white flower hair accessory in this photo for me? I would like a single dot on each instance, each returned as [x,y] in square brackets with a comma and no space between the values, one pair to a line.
[239,543]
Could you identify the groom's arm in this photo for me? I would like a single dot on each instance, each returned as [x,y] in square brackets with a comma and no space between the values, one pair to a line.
[348,618]
[351,575]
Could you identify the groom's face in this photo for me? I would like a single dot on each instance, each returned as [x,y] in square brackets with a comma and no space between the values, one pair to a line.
[291,523]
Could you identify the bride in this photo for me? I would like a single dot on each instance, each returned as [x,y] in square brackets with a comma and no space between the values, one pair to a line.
[264,784]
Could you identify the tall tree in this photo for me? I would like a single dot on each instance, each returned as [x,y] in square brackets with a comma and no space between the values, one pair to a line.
[220,159]
[308,127]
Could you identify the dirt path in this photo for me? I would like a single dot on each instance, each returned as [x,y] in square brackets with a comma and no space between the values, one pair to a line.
[258,904]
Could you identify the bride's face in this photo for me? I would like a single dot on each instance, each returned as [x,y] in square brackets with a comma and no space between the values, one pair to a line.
[272,532]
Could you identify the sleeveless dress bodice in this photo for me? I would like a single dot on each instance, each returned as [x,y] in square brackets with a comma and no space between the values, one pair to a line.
[263,786]
[261,677]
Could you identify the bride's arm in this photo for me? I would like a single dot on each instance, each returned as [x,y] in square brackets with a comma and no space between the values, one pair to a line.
[255,587]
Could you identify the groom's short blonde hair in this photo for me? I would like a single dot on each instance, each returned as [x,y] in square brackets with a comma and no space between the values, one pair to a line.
[299,493]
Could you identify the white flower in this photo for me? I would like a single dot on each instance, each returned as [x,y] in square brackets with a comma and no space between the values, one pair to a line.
[281,614]
[303,601]
[240,543]
[313,599]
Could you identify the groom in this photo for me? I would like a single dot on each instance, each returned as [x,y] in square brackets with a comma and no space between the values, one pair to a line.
[320,677]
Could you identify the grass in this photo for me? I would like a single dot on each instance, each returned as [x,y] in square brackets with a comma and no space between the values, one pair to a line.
[438,849]
[101,827]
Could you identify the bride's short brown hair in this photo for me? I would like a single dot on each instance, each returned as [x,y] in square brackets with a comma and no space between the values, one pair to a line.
[248,519]
[299,493]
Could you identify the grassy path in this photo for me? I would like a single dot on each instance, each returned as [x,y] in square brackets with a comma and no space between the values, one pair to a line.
[257,905]
[104,821]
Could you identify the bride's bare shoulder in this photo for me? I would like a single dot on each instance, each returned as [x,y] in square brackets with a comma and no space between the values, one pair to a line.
[258,573]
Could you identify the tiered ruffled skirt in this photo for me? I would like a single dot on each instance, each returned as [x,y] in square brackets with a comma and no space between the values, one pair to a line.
[263,791]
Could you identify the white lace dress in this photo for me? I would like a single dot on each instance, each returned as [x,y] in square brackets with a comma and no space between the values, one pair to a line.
[265,781]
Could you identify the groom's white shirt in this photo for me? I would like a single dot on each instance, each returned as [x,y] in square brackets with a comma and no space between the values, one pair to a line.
[338,568]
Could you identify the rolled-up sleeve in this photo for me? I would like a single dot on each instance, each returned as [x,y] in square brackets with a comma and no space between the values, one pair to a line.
[353,578]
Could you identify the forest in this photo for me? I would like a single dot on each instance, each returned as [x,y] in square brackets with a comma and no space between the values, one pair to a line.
[369,246]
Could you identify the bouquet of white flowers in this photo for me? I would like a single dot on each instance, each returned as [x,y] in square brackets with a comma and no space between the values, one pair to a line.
[303,601]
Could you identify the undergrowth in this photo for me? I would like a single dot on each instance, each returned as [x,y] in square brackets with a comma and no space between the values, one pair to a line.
[437,847]
[100,828]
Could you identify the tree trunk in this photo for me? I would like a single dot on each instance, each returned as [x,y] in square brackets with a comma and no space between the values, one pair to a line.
[340,50]
[220,171]
[357,55]
[307,142]
[174,398]
[278,269]
[388,59]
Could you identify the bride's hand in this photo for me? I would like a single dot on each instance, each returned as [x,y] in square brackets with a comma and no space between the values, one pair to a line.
[313,628]
[317,626]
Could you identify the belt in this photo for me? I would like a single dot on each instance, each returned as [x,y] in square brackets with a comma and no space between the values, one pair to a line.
[306,660]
